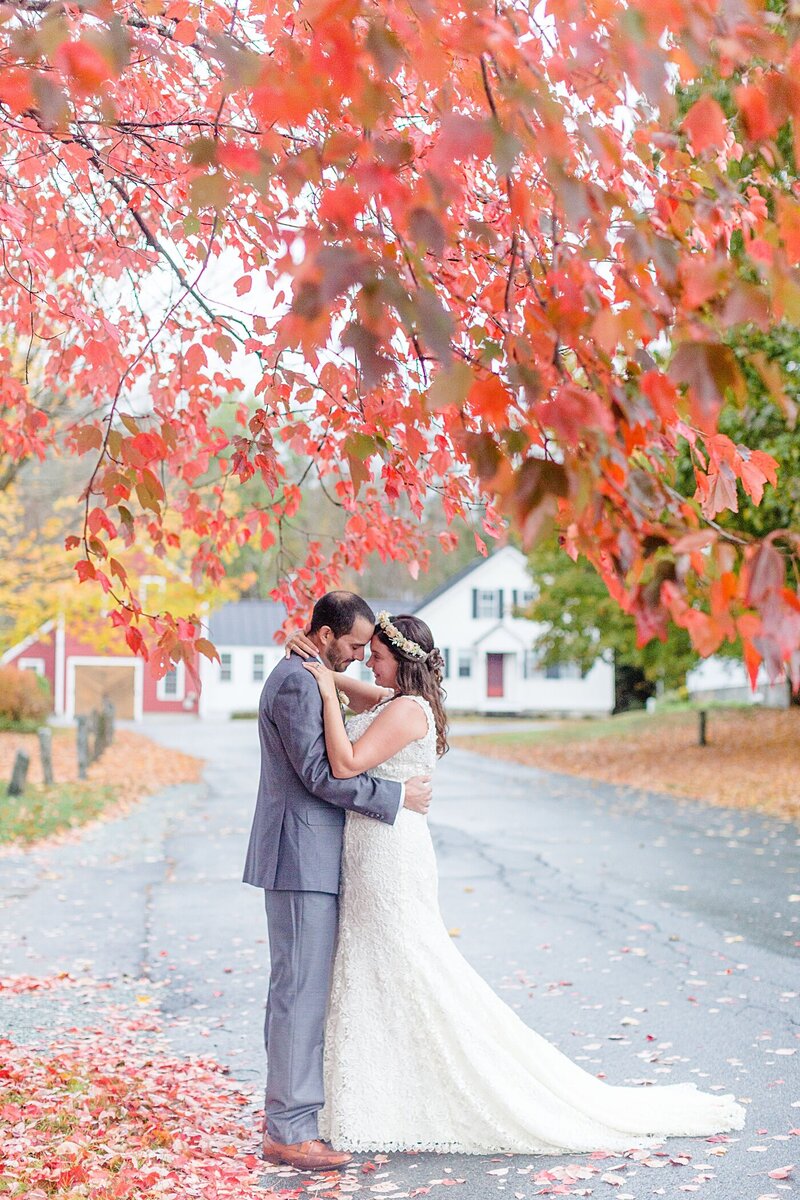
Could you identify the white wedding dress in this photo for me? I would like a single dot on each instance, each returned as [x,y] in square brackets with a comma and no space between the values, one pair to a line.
[420,1054]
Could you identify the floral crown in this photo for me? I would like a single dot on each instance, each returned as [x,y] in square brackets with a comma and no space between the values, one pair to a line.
[412,649]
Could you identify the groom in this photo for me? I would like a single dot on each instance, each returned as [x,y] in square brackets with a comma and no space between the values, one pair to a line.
[294,853]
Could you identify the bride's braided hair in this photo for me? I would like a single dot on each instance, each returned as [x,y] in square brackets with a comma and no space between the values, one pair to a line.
[419,676]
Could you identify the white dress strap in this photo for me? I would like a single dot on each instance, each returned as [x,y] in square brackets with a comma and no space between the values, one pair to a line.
[425,705]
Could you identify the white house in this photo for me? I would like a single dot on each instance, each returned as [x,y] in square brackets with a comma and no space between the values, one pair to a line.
[244,635]
[719,678]
[488,649]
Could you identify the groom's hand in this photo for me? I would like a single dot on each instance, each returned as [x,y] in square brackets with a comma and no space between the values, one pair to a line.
[418,794]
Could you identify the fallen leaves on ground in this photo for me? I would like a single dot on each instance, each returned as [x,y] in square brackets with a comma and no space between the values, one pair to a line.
[131,768]
[752,759]
[133,764]
[100,1114]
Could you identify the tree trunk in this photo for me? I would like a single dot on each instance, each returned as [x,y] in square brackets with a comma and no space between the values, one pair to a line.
[632,688]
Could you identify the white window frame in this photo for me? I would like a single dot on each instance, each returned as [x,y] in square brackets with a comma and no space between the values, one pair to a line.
[262,667]
[487,598]
[530,664]
[464,660]
[180,685]
[32,664]
[222,667]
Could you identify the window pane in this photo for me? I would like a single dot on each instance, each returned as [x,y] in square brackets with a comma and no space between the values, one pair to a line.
[465,666]
[488,603]
[258,668]
[225,668]
[171,683]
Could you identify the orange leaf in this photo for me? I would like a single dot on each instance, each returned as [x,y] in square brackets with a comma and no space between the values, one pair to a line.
[184,32]
[84,64]
[490,399]
[705,124]
[755,111]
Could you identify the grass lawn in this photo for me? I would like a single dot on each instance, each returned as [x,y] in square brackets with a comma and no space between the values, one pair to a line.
[41,812]
[752,759]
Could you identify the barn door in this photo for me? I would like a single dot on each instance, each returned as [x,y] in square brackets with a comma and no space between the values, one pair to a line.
[96,683]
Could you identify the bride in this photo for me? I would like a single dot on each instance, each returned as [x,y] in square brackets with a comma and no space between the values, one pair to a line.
[420,1054]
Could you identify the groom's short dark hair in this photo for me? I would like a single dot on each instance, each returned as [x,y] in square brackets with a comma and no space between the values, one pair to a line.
[340,610]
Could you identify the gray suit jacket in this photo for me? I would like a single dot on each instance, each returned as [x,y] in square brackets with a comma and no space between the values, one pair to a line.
[296,838]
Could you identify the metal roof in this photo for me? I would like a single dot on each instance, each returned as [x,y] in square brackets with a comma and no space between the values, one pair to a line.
[255,622]
[246,623]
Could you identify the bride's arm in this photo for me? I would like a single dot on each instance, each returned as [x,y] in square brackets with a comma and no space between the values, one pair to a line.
[401,722]
[361,695]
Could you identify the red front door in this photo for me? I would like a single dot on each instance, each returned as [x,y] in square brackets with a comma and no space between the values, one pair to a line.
[494,674]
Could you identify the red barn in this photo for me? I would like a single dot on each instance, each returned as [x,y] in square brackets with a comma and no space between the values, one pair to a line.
[81,677]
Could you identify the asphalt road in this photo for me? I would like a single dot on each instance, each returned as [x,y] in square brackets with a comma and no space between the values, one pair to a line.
[650,940]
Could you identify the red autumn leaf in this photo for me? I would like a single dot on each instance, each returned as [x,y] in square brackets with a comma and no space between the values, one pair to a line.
[721,493]
[266,237]
[756,469]
[85,570]
[756,113]
[766,571]
[705,124]
[84,64]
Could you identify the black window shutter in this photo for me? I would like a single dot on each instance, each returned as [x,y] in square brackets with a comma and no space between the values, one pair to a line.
[499,602]
[474,603]
[514,601]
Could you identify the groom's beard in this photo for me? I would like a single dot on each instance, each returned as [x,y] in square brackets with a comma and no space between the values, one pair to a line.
[336,663]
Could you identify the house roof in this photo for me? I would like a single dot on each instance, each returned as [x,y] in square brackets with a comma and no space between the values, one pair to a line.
[17,649]
[255,622]
[501,627]
[246,623]
[476,562]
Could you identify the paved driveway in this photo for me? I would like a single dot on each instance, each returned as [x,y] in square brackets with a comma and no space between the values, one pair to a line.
[649,940]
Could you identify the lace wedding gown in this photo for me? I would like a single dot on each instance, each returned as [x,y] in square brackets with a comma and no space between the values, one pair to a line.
[420,1054]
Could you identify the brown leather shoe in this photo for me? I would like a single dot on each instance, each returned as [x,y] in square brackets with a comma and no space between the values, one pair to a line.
[304,1156]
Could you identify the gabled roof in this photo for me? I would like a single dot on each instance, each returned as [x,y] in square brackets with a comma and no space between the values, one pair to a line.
[462,574]
[14,651]
[503,627]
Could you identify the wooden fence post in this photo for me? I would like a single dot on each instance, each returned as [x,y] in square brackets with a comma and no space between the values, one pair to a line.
[19,775]
[92,734]
[83,747]
[46,751]
[108,709]
[101,735]
[701,728]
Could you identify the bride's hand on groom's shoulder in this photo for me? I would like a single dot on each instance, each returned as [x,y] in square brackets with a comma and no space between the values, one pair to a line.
[300,643]
[326,680]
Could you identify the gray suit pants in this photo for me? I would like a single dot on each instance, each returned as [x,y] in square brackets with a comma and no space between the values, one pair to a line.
[302,940]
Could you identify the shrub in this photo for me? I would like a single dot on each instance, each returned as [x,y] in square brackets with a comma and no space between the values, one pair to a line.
[23,696]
